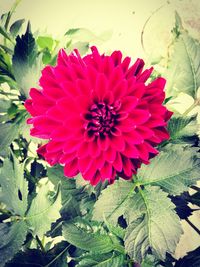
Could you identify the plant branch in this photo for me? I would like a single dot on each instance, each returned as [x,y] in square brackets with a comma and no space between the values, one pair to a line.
[58,256]
[40,243]
[193,226]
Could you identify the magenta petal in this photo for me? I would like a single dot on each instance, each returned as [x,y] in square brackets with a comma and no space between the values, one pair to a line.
[129,103]
[118,143]
[106,170]
[71,168]
[99,115]
[103,143]
[117,164]
[110,154]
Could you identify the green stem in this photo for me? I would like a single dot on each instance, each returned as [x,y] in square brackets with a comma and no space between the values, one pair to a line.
[145,24]
[40,243]
[6,212]
[58,256]
[196,103]
[195,188]
[193,226]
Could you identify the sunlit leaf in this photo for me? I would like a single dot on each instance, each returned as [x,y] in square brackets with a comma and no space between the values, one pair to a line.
[183,74]
[152,224]
[173,170]
[44,210]
[14,187]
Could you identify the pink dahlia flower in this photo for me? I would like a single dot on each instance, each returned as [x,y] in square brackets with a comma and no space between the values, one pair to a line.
[98,115]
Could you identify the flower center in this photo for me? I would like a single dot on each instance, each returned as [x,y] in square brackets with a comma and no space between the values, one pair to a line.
[101,119]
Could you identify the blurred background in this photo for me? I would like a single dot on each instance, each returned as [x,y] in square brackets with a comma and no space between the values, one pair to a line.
[118,24]
[138,28]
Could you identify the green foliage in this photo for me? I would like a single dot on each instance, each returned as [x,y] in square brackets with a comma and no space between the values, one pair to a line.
[161,171]
[13,238]
[36,257]
[180,127]
[8,132]
[44,210]
[45,42]
[152,223]
[144,212]
[86,239]
[16,27]
[103,260]
[26,62]
[68,191]
[183,74]
[127,223]
[14,188]
[113,201]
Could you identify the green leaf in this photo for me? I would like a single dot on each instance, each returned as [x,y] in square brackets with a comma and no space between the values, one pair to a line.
[72,31]
[26,63]
[85,35]
[150,261]
[174,169]
[44,210]
[152,224]
[69,192]
[6,49]
[102,260]
[12,239]
[179,127]
[4,105]
[14,187]
[81,46]
[113,201]
[4,33]
[45,42]
[16,26]
[86,239]
[183,74]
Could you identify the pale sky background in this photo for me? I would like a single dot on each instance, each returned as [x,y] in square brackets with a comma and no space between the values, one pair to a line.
[125,18]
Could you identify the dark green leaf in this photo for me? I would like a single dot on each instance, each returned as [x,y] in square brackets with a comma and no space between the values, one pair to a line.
[55,257]
[16,26]
[26,64]
[4,105]
[86,239]
[150,261]
[12,239]
[102,260]
[179,127]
